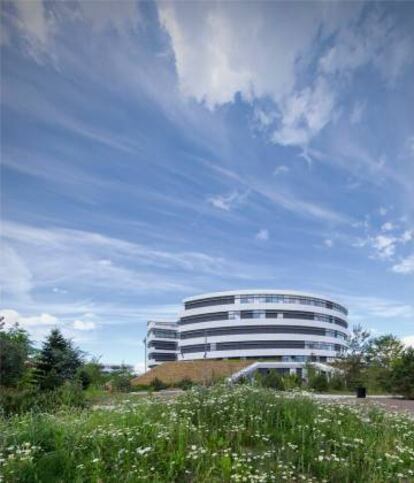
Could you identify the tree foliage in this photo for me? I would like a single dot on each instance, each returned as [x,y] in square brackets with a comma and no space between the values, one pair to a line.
[354,362]
[58,361]
[384,350]
[15,347]
[402,374]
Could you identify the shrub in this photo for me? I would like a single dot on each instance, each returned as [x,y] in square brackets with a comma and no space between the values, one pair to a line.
[243,380]
[319,382]
[158,385]
[121,383]
[272,379]
[291,381]
[185,384]
[337,382]
[18,401]
[84,378]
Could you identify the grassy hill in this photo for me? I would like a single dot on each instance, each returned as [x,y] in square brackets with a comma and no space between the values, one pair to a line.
[201,372]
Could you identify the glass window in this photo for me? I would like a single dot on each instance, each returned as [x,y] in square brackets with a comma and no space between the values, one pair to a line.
[246,299]
[234,314]
[259,314]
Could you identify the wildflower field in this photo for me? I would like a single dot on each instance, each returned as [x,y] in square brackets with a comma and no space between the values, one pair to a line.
[221,434]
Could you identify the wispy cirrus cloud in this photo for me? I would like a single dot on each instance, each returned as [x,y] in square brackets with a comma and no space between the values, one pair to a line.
[88,259]
[228,202]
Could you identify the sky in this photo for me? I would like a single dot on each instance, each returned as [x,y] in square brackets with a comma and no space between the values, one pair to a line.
[152,151]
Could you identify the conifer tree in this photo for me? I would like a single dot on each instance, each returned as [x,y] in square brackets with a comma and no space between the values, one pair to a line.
[58,361]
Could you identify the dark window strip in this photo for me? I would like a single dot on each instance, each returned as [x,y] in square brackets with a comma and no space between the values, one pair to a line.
[254,329]
[269,314]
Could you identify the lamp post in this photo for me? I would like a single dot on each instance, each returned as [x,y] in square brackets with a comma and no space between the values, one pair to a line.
[145,352]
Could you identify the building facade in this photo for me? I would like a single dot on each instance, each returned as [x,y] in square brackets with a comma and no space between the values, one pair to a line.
[161,342]
[276,325]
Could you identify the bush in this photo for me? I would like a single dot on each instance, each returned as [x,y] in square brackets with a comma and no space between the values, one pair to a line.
[14,401]
[402,376]
[291,381]
[244,380]
[158,385]
[84,378]
[272,379]
[121,383]
[319,382]
[337,383]
[185,384]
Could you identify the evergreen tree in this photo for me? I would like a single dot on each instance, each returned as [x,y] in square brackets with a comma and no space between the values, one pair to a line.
[58,361]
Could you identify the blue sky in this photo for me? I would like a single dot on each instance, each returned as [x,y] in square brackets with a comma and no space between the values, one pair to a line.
[153,151]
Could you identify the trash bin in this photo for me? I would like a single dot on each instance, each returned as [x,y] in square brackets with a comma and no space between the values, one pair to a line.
[361,392]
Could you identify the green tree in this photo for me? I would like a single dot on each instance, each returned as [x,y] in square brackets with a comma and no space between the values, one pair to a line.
[384,350]
[402,374]
[381,353]
[15,347]
[58,361]
[353,362]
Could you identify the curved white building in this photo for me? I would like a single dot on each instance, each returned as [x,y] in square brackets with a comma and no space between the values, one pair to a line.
[283,326]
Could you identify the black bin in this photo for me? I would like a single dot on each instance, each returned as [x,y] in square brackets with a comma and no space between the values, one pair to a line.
[361,392]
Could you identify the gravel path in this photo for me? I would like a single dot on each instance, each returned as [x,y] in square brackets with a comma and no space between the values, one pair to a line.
[392,404]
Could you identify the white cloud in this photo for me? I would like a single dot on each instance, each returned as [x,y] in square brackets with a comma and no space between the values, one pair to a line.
[34,24]
[384,245]
[227,202]
[388,226]
[407,236]
[328,242]
[305,113]
[383,211]
[408,341]
[12,316]
[217,57]
[88,262]
[388,243]
[280,169]
[84,325]
[405,266]
[262,235]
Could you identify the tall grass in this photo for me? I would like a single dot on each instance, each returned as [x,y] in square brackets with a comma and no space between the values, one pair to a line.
[220,434]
